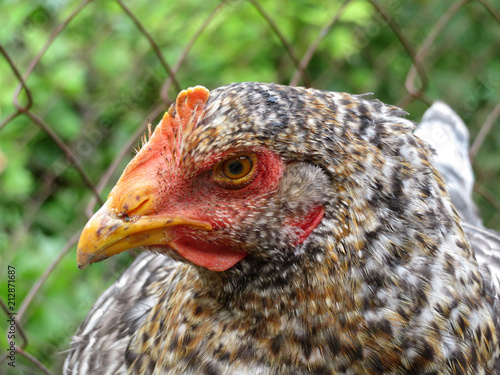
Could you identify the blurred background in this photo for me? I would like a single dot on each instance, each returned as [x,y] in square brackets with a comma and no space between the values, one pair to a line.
[80,79]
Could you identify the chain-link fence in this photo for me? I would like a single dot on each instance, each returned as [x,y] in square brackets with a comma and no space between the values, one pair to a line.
[81,80]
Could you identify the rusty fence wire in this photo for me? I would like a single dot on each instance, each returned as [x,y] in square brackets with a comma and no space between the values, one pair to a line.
[406,53]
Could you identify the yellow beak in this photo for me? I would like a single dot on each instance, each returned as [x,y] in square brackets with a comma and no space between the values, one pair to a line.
[107,233]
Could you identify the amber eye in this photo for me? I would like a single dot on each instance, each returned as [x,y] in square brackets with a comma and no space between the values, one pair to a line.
[235,172]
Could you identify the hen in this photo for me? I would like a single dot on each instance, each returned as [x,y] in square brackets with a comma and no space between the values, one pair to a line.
[287,231]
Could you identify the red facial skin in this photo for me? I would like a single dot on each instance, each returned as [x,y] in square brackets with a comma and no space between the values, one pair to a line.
[203,199]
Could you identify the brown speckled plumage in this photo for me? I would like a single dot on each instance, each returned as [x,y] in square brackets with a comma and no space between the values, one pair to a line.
[387,283]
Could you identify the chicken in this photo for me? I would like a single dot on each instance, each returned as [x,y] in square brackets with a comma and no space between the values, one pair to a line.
[287,231]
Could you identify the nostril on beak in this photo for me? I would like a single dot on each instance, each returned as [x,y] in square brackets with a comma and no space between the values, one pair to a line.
[141,208]
[136,203]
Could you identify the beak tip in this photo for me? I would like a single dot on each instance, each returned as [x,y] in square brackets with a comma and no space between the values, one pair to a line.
[84,259]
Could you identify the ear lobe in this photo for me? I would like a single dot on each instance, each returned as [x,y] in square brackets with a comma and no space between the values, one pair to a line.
[307,223]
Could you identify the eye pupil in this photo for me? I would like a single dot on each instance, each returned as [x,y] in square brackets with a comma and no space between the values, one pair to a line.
[235,167]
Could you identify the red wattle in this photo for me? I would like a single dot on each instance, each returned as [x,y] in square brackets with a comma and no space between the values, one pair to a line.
[214,257]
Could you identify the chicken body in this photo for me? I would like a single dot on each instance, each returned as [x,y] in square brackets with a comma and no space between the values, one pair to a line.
[338,253]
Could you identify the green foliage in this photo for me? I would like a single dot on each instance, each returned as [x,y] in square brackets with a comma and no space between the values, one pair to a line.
[100,79]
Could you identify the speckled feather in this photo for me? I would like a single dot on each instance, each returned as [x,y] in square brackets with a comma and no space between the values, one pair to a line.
[387,283]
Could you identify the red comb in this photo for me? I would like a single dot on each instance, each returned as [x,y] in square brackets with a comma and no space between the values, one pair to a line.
[182,118]
[167,140]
